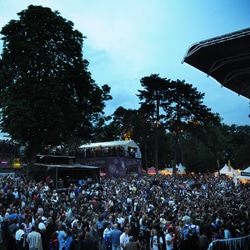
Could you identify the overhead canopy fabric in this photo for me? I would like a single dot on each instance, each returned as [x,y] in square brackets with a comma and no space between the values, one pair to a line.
[126,144]
[245,174]
[226,58]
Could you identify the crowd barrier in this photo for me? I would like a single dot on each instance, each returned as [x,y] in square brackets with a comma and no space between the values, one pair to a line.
[242,243]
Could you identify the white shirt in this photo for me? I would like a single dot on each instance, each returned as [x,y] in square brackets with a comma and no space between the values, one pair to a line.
[227,234]
[169,238]
[106,232]
[34,240]
[121,221]
[124,239]
[19,233]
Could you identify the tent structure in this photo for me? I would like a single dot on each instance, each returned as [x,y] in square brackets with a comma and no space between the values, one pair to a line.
[247,170]
[127,145]
[63,174]
[244,175]
[180,169]
[226,58]
[167,171]
[228,170]
[152,170]
[115,158]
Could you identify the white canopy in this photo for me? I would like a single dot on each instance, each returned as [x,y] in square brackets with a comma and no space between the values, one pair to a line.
[245,174]
[180,168]
[247,170]
[228,170]
[126,144]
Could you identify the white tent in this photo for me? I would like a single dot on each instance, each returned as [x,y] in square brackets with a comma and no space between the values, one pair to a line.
[244,175]
[126,144]
[247,170]
[181,169]
[228,170]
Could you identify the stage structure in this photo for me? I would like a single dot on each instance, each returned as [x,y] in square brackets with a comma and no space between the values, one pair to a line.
[115,158]
[226,58]
[64,170]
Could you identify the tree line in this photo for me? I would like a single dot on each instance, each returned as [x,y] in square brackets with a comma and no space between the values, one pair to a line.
[48,97]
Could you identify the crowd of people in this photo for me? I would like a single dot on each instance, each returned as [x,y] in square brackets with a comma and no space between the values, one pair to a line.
[138,212]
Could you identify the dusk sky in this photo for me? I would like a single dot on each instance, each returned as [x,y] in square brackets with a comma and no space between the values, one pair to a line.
[128,40]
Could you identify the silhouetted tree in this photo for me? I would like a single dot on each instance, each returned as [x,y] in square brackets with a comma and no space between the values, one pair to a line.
[47,94]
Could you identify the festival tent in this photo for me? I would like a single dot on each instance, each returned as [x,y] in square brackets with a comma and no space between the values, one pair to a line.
[247,170]
[228,170]
[152,170]
[244,176]
[180,169]
[167,171]
[126,144]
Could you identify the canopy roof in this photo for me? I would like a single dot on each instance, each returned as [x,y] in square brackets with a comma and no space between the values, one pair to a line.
[73,166]
[128,143]
[228,170]
[226,58]
[247,170]
[245,174]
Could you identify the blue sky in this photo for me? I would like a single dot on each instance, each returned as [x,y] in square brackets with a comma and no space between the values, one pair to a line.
[127,40]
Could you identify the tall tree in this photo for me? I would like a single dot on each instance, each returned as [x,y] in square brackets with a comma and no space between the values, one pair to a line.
[152,100]
[237,148]
[46,91]
[173,104]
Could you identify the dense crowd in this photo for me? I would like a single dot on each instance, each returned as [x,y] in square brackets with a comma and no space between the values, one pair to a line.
[138,212]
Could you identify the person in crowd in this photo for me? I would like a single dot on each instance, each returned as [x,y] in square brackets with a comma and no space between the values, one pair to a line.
[53,241]
[186,244]
[94,236]
[203,241]
[61,236]
[142,243]
[12,228]
[68,240]
[1,225]
[100,229]
[106,236]
[115,237]
[20,238]
[132,244]
[77,241]
[124,238]
[87,243]
[170,239]
[156,240]
[34,239]
[27,225]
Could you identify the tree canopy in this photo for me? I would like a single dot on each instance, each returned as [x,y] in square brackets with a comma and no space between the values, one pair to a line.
[172,105]
[47,93]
